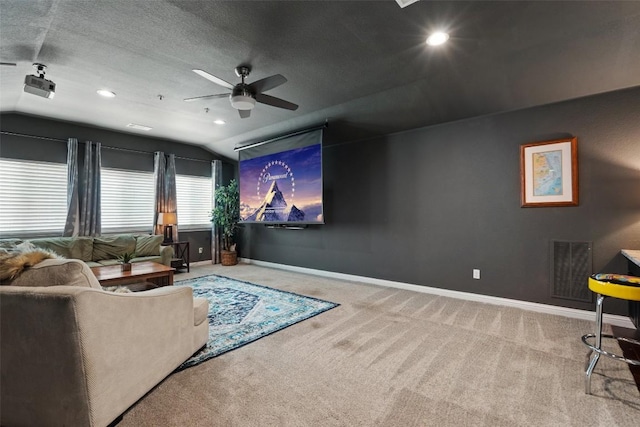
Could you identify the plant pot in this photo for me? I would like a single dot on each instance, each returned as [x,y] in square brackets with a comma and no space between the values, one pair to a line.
[126,266]
[228,257]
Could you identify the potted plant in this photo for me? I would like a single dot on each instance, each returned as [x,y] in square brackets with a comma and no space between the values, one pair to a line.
[125,260]
[226,215]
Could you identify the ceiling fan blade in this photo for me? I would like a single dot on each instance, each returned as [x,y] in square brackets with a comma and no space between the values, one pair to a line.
[201,98]
[267,83]
[275,102]
[244,113]
[213,78]
[11,64]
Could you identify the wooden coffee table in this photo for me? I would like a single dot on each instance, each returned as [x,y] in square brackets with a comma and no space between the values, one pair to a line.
[112,275]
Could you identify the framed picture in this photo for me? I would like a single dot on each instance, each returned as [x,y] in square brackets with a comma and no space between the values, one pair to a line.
[549,173]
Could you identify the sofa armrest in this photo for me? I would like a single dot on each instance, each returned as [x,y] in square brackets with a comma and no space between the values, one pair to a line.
[166,255]
[132,341]
[103,350]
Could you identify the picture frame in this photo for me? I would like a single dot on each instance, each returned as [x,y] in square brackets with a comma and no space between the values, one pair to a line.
[549,173]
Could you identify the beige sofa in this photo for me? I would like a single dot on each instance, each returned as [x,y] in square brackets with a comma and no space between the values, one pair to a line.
[80,356]
[103,250]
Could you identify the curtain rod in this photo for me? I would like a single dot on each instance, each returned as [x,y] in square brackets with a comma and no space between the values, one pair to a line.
[277,138]
[33,136]
[103,146]
[152,152]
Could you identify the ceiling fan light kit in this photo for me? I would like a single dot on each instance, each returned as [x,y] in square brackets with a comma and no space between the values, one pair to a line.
[242,100]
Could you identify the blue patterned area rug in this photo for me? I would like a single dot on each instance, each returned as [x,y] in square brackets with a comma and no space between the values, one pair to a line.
[242,312]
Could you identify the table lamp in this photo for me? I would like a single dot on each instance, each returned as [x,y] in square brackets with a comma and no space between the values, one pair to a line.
[167,219]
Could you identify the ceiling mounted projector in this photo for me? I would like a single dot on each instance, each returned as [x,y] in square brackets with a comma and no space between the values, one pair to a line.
[38,85]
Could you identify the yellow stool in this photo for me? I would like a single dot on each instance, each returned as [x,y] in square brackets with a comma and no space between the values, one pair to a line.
[615,286]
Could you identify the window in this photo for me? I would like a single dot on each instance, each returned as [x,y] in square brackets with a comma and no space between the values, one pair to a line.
[34,198]
[127,199]
[194,195]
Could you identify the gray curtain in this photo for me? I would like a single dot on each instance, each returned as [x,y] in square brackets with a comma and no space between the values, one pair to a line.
[164,173]
[90,218]
[83,190]
[216,236]
[72,224]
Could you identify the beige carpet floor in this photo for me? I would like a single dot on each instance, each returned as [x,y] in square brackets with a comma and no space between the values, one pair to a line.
[389,357]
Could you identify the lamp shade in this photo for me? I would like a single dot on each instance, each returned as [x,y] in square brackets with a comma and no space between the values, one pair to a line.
[167,218]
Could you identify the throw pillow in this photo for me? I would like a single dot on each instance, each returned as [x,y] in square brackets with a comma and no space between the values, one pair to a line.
[59,245]
[9,244]
[112,247]
[83,247]
[12,264]
[117,289]
[148,245]
[68,247]
[26,247]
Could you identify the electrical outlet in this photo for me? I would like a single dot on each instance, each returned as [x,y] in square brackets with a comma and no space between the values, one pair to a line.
[476,273]
[200,250]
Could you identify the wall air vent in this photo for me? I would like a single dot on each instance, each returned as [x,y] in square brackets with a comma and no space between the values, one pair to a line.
[571,265]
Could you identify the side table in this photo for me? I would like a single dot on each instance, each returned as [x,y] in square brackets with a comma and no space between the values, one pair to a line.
[180,255]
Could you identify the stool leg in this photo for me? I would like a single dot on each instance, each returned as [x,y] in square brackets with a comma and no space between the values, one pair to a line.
[596,357]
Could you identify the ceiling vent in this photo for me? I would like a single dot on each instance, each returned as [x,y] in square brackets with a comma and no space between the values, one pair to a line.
[405,3]
[139,127]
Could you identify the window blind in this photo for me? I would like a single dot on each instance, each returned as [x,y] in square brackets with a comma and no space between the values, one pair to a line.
[127,199]
[194,194]
[33,198]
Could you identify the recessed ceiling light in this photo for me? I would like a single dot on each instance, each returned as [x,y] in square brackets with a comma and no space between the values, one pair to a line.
[438,38]
[106,93]
[219,122]
[139,127]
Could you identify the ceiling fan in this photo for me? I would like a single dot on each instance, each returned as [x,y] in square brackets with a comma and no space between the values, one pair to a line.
[244,96]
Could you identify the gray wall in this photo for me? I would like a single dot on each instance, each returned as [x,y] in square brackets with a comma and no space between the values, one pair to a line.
[52,147]
[428,205]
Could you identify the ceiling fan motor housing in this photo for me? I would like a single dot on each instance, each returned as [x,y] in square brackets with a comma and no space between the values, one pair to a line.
[242,98]
[242,71]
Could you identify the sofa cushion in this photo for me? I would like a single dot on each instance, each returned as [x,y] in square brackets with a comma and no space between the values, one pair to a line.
[147,258]
[148,245]
[9,244]
[111,247]
[84,246]
[68,247]
[200,310]
[57,272]
[92,264]
[105,262]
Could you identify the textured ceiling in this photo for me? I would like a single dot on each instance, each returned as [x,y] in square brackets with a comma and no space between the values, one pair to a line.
[361,65]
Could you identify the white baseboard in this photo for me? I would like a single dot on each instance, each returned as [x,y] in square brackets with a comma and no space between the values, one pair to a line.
[197,263]
[574,313]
